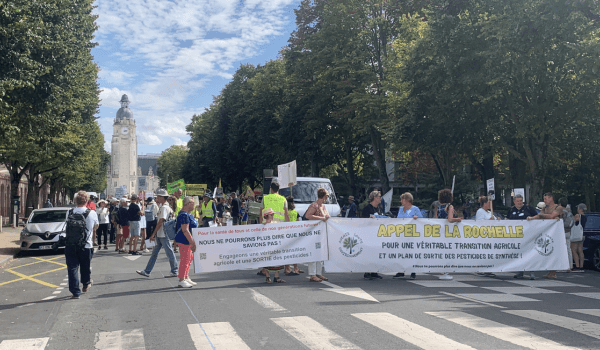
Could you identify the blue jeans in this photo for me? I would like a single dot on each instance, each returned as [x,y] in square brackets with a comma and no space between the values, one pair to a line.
[77,258]
[162,242]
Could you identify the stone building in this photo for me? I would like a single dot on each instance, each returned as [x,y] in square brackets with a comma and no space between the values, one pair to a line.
[123,171]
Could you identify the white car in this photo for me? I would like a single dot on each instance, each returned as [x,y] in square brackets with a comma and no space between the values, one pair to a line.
[43,229]
[305,192]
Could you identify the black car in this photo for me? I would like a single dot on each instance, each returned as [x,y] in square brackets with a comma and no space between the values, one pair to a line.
[591,242]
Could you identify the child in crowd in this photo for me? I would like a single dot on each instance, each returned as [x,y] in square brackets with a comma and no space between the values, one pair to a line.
[244,214]
[268,214]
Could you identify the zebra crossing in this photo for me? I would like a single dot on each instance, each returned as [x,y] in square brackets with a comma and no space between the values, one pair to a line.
[311,334]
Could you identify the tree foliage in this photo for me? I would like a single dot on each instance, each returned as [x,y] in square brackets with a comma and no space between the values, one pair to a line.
[170,164]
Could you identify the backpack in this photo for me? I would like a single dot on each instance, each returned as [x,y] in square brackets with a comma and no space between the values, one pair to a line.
[149,213]
[76,230]
[170,227]
[568,219]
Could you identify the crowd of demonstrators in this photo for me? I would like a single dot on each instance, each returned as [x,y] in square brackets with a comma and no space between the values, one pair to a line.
[349,210]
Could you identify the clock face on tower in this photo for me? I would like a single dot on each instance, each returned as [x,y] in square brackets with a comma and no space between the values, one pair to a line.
[124,131]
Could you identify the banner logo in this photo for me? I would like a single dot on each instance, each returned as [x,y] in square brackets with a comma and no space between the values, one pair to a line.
[350,245]
[544,245]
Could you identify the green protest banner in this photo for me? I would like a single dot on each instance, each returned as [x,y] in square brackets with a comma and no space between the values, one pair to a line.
[173,186]
[195,189]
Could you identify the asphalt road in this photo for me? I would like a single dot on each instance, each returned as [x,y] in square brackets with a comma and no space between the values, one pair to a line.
[237,310]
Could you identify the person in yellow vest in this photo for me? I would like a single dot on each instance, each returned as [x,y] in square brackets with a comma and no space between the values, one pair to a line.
[179,202]
[292,209]
[276,202]
[207,210]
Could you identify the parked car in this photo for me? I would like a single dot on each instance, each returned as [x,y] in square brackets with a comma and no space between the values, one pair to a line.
[44,228]
[591,242]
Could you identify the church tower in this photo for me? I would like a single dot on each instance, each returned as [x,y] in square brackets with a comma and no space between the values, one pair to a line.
[123,170]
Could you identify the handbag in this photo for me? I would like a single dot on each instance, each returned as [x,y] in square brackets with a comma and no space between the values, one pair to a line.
[170,228]
[577,232]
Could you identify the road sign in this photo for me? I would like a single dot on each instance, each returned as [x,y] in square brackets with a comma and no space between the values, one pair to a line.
[490,188]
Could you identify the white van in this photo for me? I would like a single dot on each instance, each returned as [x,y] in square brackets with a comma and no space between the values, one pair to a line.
[305,192]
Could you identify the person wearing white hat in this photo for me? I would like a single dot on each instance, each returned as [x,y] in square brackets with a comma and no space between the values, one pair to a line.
[165,213]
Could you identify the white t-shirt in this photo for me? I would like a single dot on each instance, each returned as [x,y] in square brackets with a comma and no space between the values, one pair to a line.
[91,221]
[102,215]
[164,212]
[483,214]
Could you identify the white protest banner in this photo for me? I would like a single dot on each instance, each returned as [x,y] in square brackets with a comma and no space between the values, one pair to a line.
[286,174]
[388,200]
[255,246]
[434,245]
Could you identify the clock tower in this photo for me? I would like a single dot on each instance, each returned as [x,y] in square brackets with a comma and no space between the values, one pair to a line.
[123,162]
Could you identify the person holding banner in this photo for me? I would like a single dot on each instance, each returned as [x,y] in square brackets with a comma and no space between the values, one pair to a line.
[521,211]
[317,211]
[187,245]
[276,202]
[293,217]
[446,211]
[370,211]
[484,212]
[268,217]
[408,211]
[550,211]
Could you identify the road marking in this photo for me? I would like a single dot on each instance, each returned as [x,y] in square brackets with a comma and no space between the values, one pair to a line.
[64,284]
[521,290]
[353,292]
[120,340]
[498,330]
[442,284]
[221,335]
[25,277]
[50,297]
[545,283]
[133,257]
[496,297]
[266,302]
[313,334]
[60,288]
[473,300]
[583,327]
[593,312]
[56,292]
[51,261]
[588,295]
[19,344]
[413,333]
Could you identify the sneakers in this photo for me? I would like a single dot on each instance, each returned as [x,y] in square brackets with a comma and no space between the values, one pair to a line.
[146,250]
[172,274]
[398,275]
[184,284]
[105,248]
[87,287]
[445,277]
[75,297]
[143,273]
[190,281]
[136,253]
[413,276]
[131,252]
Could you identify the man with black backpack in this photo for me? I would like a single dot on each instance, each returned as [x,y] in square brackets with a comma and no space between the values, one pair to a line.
[79,249]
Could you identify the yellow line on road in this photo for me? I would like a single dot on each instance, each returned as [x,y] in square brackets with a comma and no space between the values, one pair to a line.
[50,261]
[25,277]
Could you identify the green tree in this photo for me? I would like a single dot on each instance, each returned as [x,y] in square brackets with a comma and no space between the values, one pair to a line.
[170,164]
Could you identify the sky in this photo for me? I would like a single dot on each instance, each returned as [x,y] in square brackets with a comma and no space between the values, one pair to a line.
[172,57]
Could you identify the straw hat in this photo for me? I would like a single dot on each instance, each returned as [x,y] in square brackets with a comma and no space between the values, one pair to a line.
[268,211]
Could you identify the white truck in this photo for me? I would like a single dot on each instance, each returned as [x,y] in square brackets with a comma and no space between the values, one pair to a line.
[305,192]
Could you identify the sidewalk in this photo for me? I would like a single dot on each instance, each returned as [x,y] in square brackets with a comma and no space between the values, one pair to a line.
[9,243]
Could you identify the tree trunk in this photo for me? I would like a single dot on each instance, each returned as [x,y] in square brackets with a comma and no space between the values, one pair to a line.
[379,152]
[350,166]
[16,173]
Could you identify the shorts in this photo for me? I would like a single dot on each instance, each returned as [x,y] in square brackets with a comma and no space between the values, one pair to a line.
[134,228]
[236,220]
[125,230]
